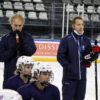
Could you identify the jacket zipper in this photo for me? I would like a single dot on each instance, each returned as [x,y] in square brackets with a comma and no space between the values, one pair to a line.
[79,61]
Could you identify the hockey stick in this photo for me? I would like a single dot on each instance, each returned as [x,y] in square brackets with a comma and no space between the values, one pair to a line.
[96,76]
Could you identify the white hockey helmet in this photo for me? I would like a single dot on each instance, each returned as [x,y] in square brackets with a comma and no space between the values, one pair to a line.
[43,67]
[34,69]
[7,94]
[24,60]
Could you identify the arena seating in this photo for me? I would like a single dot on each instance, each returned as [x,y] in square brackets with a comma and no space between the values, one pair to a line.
[67,1]
[37,1]
[49,13]
[77,2]
[87,2]
[32,15]
[30,9]
[96,2]
[1,13]
[29,6]
[7,5]
[43,10]
[26,0]
[9,13]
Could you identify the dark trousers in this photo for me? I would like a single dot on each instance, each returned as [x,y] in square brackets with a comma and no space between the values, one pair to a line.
[74,89]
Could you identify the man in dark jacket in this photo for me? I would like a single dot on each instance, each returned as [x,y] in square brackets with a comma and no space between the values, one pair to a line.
[73,56]
[14,44]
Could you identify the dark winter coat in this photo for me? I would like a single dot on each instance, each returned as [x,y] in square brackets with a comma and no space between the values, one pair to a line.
[69,56]
[31,92]
[14,83]
[8,52]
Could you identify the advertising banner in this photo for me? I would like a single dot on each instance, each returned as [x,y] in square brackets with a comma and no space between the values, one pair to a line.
[46,50]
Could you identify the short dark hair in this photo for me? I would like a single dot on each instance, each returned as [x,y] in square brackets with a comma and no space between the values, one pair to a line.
[75,18]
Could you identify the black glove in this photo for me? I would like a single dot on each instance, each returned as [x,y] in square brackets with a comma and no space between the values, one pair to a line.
[20,35]
[86,56]
[94,56]
[16,32]
[14,48]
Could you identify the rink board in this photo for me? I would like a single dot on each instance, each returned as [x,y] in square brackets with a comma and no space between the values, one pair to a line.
[47,50]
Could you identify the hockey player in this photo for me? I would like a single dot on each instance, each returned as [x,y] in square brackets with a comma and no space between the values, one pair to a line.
[41,88]
[23,73]
[7,94]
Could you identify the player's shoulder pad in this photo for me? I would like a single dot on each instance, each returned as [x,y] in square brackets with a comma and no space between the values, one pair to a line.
[68,37]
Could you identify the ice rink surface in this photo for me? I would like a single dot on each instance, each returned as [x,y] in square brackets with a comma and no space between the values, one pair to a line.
[57,69]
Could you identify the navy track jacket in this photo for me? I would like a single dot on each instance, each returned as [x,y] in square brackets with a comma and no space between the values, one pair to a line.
[8,54]
[31,92]
[15,82]
[69,56]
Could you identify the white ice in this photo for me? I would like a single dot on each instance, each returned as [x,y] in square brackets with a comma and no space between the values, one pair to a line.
[57,69]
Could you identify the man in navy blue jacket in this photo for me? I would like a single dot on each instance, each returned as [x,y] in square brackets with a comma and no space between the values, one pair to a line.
[73,56]
[22,73]
[40,88]
[14,44]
